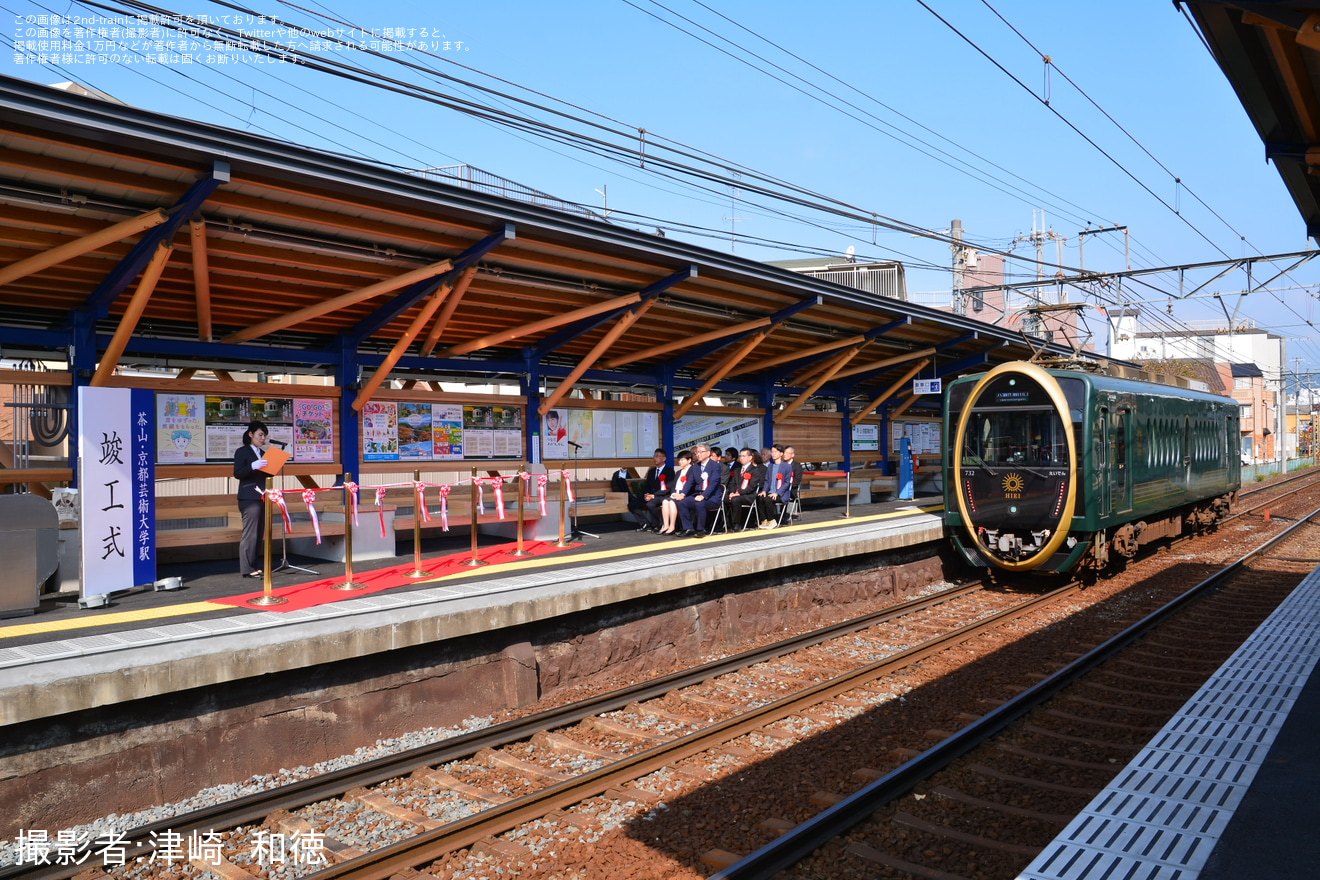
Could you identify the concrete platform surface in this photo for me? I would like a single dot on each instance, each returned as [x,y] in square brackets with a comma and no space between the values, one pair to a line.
[66,659]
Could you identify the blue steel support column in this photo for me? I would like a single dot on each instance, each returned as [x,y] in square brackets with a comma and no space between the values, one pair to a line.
[350,434]
[847,433]
[885,427]
[766,397]
[531,389]
[82,366]
[665,394]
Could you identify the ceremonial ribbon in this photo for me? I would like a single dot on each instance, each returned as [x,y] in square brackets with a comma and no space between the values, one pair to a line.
[420,488]
[380,507]
[277,497]
[747,478]
[662,482]
[541,481]
[704,477]
[567,477]
[481,495]
[444,505]
[309,498]
[498,483]
[353,499]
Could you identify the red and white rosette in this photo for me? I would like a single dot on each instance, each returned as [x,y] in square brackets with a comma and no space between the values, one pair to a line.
[541,481]
[380,507]
[420,488]
[353,500]
[567,477]
[747,478]
[662,482]
[277,498]
[309,498]
[443,489]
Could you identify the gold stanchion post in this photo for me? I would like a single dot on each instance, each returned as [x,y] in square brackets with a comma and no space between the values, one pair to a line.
[522,489]
[349,583]
[266,597]
[847,494]
[563,508]
[474,561]
[417,571]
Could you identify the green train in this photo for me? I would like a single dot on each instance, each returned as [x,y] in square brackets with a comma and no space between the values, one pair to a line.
[1059,470]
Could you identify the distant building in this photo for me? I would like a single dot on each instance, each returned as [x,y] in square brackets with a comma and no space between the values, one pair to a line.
[881,278]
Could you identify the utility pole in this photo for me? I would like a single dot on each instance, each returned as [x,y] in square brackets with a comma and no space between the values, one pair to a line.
[959,267]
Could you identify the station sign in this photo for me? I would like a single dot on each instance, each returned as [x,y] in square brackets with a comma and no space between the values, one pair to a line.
[927,386]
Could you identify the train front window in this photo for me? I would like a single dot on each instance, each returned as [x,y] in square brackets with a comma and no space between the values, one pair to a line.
[1016,438]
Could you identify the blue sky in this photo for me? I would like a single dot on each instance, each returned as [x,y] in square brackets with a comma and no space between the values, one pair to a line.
[909,75]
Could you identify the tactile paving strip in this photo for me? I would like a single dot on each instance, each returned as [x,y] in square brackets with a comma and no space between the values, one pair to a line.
[1163,814]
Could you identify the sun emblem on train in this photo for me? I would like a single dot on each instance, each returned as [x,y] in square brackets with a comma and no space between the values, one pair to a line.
[1013,485]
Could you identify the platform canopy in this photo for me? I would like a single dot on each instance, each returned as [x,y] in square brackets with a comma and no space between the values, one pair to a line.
[132,238]
[1270,53]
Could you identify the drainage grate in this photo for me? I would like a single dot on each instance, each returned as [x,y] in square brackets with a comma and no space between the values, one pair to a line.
[1163,814]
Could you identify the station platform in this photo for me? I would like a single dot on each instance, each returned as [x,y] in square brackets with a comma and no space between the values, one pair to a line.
[66,659]
[1230,788]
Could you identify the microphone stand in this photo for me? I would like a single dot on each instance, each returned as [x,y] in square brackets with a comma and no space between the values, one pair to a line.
[577,533]
[285,564]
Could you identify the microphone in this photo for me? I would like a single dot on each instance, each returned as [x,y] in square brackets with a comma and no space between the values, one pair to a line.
[280,443]
[574,445]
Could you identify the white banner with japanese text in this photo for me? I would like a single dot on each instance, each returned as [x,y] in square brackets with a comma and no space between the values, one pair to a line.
[117,476]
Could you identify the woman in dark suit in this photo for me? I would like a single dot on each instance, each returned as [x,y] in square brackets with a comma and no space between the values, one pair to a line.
[251,502]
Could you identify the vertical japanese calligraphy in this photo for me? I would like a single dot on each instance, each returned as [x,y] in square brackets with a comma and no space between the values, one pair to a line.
[116,473]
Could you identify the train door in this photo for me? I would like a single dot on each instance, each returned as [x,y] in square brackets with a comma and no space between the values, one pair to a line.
[1103,464]
[1187,453]
[1118,424]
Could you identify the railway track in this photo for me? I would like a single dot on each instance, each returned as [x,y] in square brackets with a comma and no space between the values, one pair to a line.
[987,799]
[622,760]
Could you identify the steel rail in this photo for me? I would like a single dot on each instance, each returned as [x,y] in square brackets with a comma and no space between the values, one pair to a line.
[254,807]
[800,842]
[388,861]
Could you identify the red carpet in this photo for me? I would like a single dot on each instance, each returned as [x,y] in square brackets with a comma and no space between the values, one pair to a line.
[320,592]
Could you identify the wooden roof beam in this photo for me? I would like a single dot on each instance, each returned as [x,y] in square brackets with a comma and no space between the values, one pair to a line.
[890,391]
[492,339]
[720,372]
[887,362]
[599,349]
[85,245]
[293,319]
[686,342]
[201,279]
[823,348]
[836,364]
[383,370]
[127,324]
[451,304]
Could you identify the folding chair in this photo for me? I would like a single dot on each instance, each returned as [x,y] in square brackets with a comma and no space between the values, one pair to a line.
[717,519]
[750,518]
[790,509]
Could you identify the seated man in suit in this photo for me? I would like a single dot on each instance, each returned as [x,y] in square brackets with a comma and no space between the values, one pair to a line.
[707,493]
[745,483]
[656,487]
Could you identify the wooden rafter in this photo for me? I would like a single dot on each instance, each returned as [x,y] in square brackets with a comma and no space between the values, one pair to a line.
[903,407]
[86,244]
[890,391]
[723,370]
[549,323]
[428,309]
[835,365]
[1296,79]
[686,342]
[7,462]
[766,364]
[322,308]
[127,324]
[599,349]
[447,312]
[201,280]
[887,362]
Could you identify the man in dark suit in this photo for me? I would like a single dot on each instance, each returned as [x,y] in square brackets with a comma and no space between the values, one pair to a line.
[745,482]
[657,487]
[707,493]
[790,458]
